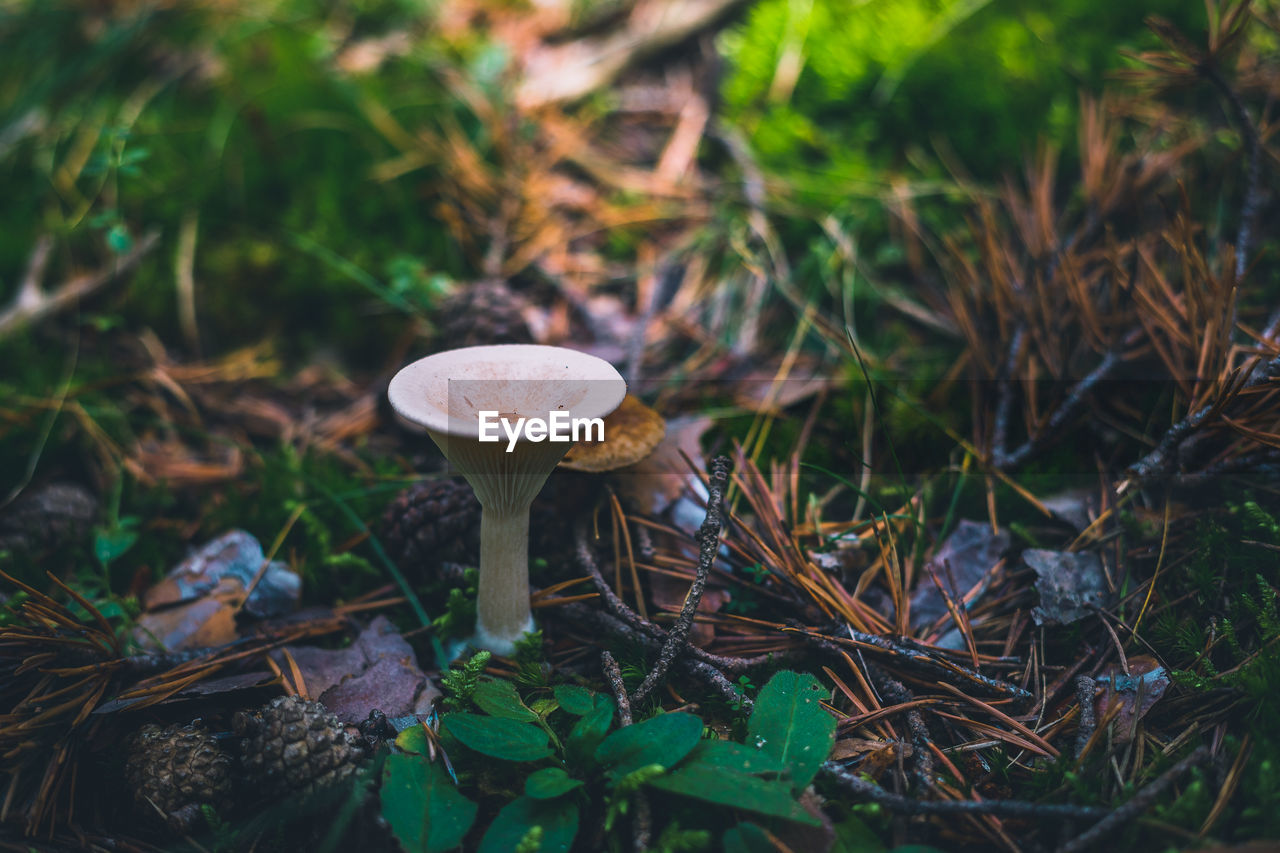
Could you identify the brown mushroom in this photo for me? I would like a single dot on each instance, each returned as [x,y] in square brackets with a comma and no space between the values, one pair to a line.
[631,431]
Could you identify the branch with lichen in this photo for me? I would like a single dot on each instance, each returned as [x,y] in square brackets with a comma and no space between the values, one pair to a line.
[895,691]
[912,655]
[638,626]
[1085,688]
[641,823]
[708,546]
[1161,463]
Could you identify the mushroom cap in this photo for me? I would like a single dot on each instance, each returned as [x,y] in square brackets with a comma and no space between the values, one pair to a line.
[447,391]
[631,433]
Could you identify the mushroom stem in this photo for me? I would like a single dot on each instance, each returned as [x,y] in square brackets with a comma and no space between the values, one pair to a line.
[453,395]
[502,606]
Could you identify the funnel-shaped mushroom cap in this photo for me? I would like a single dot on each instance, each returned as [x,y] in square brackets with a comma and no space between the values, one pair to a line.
[447,393]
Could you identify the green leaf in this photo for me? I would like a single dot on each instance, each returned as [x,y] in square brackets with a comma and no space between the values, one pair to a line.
[110,544]
[498,737]
[789,723]
[119,239]
[558,819]
[549,783]
[574,699]
[587,733]
[664,739]
[747,838]
[500,699]
[854,836]
[413,739]
[734,790]
[424,809]
[733,757]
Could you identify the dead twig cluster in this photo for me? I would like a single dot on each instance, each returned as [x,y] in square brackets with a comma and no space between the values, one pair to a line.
[1097,308]
[912,717]
[671,645]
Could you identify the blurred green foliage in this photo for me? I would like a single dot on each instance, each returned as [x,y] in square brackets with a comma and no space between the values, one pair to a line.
[241,127]
[239,123]
[833,92]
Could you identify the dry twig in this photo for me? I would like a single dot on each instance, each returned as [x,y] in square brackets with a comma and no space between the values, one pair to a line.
[1140,802]
[1085,687]
[573,70]
[896,692]
[642,824]
[33,303]
[1001,808]
[708,547]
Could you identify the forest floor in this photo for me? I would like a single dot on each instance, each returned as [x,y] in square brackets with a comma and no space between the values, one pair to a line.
[943,516]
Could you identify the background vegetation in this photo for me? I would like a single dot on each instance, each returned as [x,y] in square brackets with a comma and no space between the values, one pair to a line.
[281,202]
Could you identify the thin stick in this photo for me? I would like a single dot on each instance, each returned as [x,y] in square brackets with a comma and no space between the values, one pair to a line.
[708,547]
[716,680]
[651,631]
[642,823]
[611,599]
[916,657]
[1001,808]
[1140,802]
[592,620]
[34,303]
[613,675]
[1071,406]
[1085,687]
[1249,130]
[894,690]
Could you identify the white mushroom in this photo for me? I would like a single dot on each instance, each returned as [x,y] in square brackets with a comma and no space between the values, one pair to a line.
[448,394]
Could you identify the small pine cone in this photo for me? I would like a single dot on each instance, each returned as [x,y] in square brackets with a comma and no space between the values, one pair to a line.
[485,312]
[176,770]
[433,522]
[46,518]
[291,746]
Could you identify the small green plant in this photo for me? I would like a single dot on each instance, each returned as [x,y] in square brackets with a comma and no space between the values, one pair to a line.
[744,684]
[459,617]
[531,662]
[460,683]
[223,834]
[1223,639]
[113,538]
[575,761]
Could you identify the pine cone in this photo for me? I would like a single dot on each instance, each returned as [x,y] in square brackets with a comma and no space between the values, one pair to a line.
[177,770]
[433,522]
[47,517]
[294,746]
[485,312]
